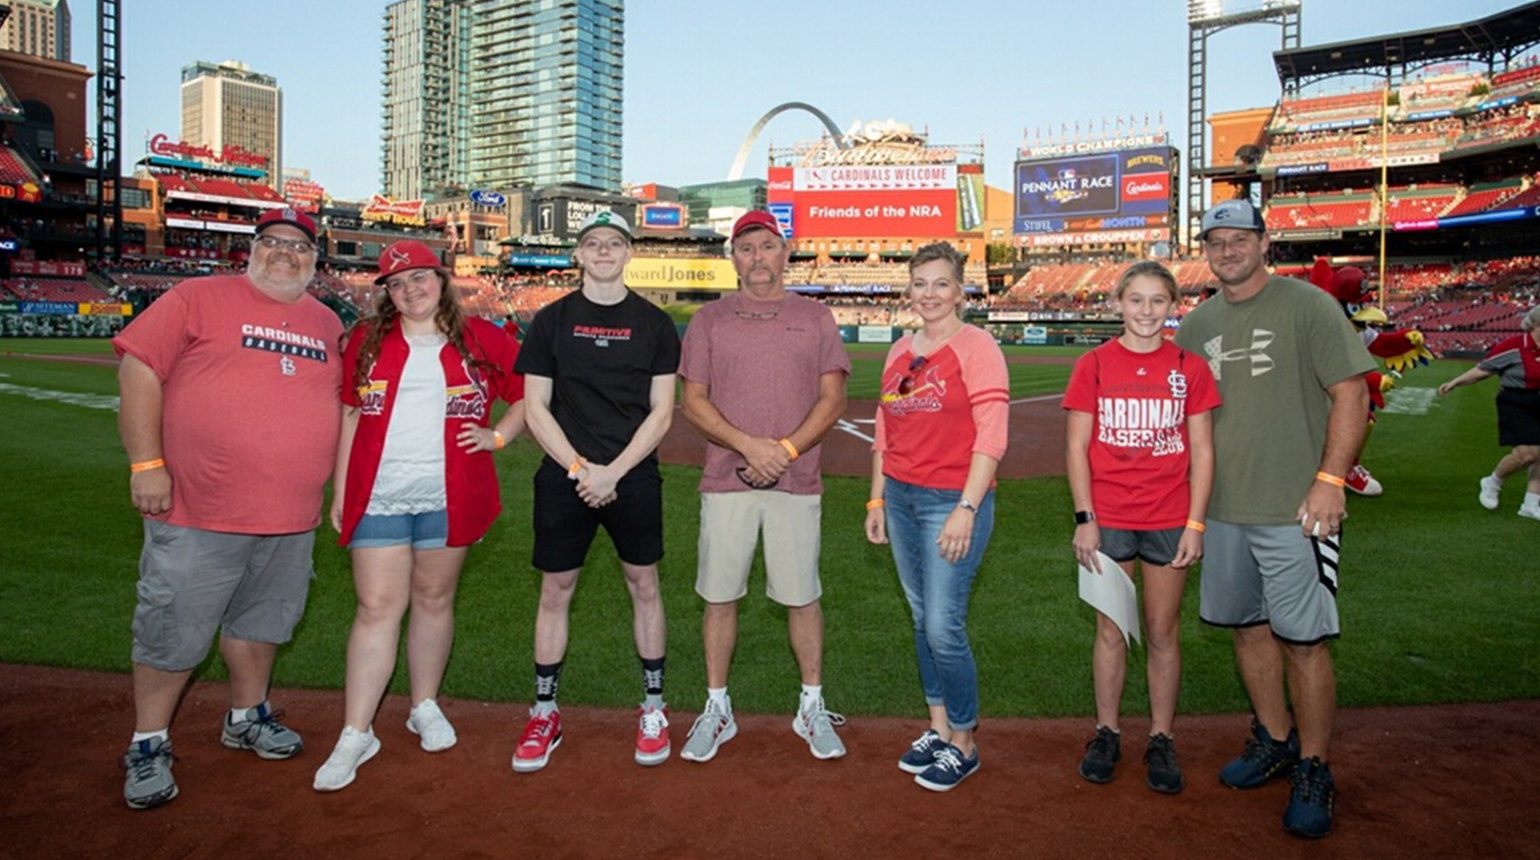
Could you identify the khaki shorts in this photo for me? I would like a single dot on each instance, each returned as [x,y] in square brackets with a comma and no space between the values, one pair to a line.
[730,526]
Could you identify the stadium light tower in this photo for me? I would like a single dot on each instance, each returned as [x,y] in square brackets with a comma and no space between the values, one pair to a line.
[1204,19]
[109,135]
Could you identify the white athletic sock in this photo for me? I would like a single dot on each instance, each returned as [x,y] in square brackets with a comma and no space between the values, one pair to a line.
[163,734]
[546,708]
[812,696]
[1531,500]
[720,697]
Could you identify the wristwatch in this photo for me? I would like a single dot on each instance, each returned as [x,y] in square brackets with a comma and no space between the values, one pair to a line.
[967,506]
[1083,517]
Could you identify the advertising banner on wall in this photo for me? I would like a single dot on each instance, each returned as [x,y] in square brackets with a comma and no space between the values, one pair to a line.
[681,274]
[1126,184]
[902,200]
[48,268]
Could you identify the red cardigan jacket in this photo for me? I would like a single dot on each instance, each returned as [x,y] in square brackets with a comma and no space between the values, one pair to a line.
[470,480]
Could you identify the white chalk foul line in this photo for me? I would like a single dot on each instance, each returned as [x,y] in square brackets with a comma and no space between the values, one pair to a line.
[90,401]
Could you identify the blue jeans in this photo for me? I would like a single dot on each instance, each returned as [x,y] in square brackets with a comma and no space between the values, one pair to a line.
[938,592]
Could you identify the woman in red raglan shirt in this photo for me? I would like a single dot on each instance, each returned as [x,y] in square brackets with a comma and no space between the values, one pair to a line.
[941,431]
[414,487]
[1141,465]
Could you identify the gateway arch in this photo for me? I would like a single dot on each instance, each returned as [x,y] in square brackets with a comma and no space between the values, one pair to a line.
[748,142]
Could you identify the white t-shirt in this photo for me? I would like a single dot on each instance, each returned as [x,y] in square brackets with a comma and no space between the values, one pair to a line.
[411,475]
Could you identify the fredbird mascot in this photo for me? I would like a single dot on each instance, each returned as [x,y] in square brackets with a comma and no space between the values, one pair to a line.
[1399,350]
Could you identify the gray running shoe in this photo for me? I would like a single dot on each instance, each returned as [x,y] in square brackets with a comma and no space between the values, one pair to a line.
[260,732]
[712,728]
[150,783]
[816,726]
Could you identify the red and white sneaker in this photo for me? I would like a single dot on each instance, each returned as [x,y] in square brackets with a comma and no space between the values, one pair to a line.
[542,735]
[1361,482]
[652,747]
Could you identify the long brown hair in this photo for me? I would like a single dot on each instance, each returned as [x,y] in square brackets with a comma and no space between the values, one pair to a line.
[449,319]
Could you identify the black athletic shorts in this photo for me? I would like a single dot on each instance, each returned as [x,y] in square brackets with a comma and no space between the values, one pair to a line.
[565,525]
[1518,416]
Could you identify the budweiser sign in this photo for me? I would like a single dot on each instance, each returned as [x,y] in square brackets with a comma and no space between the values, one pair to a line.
[160,144]
[382,208]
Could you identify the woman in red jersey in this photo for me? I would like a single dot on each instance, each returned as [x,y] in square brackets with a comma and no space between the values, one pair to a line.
[414,487]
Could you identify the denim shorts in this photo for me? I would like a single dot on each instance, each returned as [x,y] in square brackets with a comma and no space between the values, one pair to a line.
[427,530]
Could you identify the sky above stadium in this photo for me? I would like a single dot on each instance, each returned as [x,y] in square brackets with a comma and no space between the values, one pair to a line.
[699,75]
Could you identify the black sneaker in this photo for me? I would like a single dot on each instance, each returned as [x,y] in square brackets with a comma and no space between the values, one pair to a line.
[1310,802]
[1101,756]
[1262,759]
[1162,772]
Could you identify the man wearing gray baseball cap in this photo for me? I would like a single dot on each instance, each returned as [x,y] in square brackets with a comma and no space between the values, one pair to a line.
[1290,369]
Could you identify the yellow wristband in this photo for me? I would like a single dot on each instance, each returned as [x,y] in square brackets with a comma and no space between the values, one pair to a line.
[1195,526]
[1330,479]
[790,448]
[874,504]
[573,469]
[147,465]
[499,437]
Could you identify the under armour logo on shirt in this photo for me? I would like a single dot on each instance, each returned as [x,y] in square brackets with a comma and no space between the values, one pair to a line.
[1256,353]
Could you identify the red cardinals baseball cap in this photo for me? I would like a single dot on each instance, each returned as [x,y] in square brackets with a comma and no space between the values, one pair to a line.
[406,255]
[757,218]
[287,215]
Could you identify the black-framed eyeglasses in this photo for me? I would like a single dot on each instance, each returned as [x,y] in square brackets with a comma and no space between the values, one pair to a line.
[758,315]
[906,384]
[743,475]
[273,243]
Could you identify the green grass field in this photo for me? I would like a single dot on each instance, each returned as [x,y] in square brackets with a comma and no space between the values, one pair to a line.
[1437,595]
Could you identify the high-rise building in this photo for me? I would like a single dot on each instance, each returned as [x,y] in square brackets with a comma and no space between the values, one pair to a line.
[38,28]
[499,93]
[426,126]
[227,105]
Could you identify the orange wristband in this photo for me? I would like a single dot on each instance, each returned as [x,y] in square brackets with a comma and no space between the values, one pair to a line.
[875,503]
[500,441]
[577,465]
[790,448]
[1330,479]
[147,465]
[1195,526]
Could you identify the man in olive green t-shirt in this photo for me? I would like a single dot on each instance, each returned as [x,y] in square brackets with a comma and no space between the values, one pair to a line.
[1290,370]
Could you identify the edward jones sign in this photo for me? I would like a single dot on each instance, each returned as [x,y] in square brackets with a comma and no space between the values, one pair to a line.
[659,273]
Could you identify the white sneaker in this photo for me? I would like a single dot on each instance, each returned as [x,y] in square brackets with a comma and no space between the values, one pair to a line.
[1531,511]
[353,749]
[430,724]
[1490,487]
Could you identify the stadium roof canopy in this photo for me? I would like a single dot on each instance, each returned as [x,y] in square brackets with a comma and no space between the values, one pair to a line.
[1496,36]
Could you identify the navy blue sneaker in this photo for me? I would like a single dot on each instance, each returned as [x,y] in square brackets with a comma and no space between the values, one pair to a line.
[1162,772]
[922,753]
[1310,802]
[949,768]
[1101,756]
[1262,759]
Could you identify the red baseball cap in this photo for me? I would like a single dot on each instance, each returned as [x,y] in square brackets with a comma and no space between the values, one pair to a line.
[406,255]
[756,218]
[290,216]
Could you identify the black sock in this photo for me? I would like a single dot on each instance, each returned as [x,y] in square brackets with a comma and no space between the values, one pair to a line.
[547,679]
[652,676]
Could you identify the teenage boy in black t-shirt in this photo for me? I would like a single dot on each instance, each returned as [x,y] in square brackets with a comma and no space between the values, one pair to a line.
[599,369]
